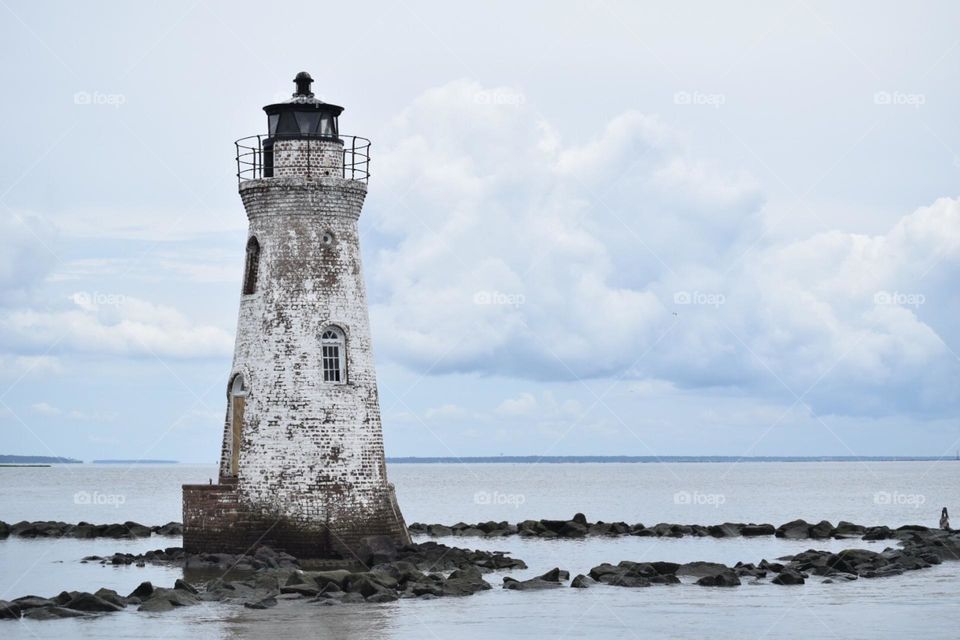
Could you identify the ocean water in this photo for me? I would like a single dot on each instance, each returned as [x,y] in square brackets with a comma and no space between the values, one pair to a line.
[922,603]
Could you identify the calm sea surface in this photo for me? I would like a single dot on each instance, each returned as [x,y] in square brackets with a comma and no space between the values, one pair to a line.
[918,604]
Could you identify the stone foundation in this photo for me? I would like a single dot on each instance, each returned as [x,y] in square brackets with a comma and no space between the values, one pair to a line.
[216,519]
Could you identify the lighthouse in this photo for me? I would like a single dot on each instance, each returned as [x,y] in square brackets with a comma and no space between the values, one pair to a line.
[302,465]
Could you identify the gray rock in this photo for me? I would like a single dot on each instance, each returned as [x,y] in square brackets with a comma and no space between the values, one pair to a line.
[52,613]
[9,610]
[788,577]
[582,582]
[700,569]
[144,590]
[532,584]
[794,530]
[184,586]
[265,603]
[32,602]
[88,602]
[725,579]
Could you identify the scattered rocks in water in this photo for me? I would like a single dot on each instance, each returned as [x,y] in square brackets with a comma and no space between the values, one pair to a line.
[579,527]
[430,569]
[424,570]
[920,547]
[84,530]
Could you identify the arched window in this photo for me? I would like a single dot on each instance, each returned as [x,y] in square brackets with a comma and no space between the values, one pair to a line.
[252,266]
[238,388]
[334,352]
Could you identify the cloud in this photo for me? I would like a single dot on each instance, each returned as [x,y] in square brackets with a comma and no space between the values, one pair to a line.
[47,409]
[512,252]
[27,254]
[524,404]
[446,412]
[14,367]
[113,324]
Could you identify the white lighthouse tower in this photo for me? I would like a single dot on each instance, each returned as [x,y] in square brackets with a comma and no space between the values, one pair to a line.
[302,466]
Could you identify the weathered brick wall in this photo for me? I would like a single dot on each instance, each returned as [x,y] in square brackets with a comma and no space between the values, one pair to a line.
[312,158]
[311,463]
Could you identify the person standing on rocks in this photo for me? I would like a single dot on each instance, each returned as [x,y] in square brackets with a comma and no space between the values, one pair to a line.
[944,519]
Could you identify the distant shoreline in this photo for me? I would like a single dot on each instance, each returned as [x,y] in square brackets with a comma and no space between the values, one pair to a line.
[135,462]
[20,461]
[46,461]
[655,459]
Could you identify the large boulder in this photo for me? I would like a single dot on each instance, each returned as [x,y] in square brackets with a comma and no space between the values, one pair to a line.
[327,580]
[846,529]
[724,579]
[163,599]
[757,530]
[877,533]
[794,530]
[9,610]
[463,582]
[788,577]
[111,596]
[573,529]
[52,613]
[143,591]
[89,602]
[32,602]
[701,569]
[582,582]
[821,531]
[528,585]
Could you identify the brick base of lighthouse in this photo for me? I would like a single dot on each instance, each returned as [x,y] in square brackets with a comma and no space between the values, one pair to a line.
[216,519]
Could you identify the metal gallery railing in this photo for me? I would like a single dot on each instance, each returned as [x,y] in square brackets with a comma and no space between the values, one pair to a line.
[255,156]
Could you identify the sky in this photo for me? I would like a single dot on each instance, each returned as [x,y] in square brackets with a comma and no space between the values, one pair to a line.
[592,228]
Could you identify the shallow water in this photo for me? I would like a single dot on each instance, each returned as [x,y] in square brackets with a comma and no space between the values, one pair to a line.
[892,493]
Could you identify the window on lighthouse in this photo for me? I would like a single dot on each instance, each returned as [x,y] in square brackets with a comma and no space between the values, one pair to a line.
[252,266]
[333,349]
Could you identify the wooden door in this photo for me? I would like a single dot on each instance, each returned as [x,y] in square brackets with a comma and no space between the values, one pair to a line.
[236,432]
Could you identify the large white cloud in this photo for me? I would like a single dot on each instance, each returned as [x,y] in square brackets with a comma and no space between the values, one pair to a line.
[112,325]
[27,253]
[514,252]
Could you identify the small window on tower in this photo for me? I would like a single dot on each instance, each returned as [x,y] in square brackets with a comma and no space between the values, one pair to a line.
[334,355]
[252,266]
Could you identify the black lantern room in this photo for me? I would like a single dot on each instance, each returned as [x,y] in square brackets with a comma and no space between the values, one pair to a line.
[303,116]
